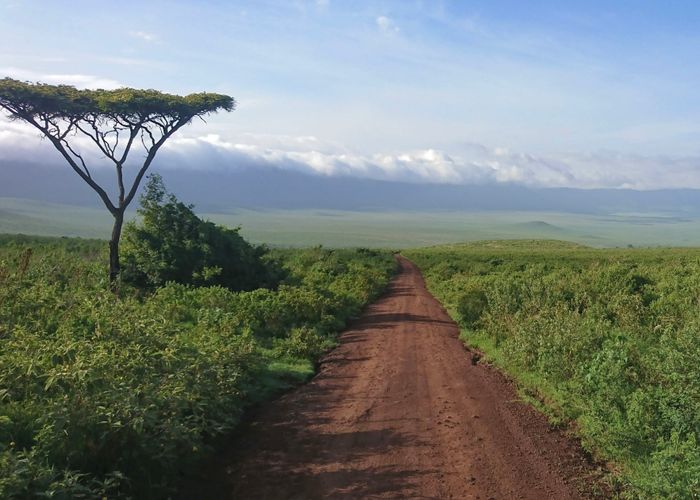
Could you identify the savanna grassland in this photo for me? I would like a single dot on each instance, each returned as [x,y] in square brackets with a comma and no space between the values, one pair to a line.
[112,395]
[607,339]
[379,228]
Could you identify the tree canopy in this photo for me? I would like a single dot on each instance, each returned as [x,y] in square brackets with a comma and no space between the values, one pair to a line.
[40,100]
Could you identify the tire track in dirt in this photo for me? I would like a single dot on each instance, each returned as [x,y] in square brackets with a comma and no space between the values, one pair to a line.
[398,411]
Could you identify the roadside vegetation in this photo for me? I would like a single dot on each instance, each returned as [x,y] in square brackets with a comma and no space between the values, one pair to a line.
[106,394]
[608,339]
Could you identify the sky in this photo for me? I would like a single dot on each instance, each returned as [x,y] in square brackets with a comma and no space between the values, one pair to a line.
[580,94]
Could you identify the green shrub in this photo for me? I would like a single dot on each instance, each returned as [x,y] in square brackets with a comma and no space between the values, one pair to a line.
[303,342]
[104,396]
[470,306]
[172,244]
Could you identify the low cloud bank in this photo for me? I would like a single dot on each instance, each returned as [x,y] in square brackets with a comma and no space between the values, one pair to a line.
[464,164]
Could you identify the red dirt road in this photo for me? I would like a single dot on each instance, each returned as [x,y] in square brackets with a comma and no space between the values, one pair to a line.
[398,410]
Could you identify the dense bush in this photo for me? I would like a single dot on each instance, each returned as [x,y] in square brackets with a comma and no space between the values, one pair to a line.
[170,243]
[609,338]
[112,396]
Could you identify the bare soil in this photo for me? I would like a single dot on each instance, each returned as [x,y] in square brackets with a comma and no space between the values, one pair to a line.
[399,410]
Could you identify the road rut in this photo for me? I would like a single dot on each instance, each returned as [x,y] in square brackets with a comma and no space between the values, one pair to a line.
[399,410]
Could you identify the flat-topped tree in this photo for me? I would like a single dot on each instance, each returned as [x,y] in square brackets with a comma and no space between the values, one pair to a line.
[113,121]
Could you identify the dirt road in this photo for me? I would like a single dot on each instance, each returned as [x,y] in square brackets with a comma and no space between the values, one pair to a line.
[399,410]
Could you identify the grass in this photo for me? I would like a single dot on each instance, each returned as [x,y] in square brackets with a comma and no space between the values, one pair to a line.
[280,375]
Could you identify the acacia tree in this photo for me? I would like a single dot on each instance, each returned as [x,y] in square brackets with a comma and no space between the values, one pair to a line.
[112,121]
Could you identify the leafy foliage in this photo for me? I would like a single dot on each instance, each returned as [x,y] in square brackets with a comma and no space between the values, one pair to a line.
[102,397]
[609,338]
[172,244]
[39,99]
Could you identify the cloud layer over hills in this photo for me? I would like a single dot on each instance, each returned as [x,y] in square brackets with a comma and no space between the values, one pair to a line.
[460,164]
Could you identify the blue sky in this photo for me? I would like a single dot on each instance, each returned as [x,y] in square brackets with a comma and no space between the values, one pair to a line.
[588,94]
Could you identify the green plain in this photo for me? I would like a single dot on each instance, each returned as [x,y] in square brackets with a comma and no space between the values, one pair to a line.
[395,229]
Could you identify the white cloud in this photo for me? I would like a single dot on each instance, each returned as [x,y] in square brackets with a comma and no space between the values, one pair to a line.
[386,25]
[20,141]
[468,164]
[78,80]
[471,164]
[144,35]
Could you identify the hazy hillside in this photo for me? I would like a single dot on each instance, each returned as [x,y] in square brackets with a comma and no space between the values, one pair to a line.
[221,189]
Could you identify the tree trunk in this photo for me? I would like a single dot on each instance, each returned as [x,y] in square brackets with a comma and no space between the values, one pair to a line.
[114,267]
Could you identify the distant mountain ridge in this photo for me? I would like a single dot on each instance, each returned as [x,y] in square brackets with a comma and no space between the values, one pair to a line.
[224,189]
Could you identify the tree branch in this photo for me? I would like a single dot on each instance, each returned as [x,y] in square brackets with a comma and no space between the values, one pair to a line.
[150,134]
[149,158]
[78,156]
[132,136]
[95,138]
[96,187]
